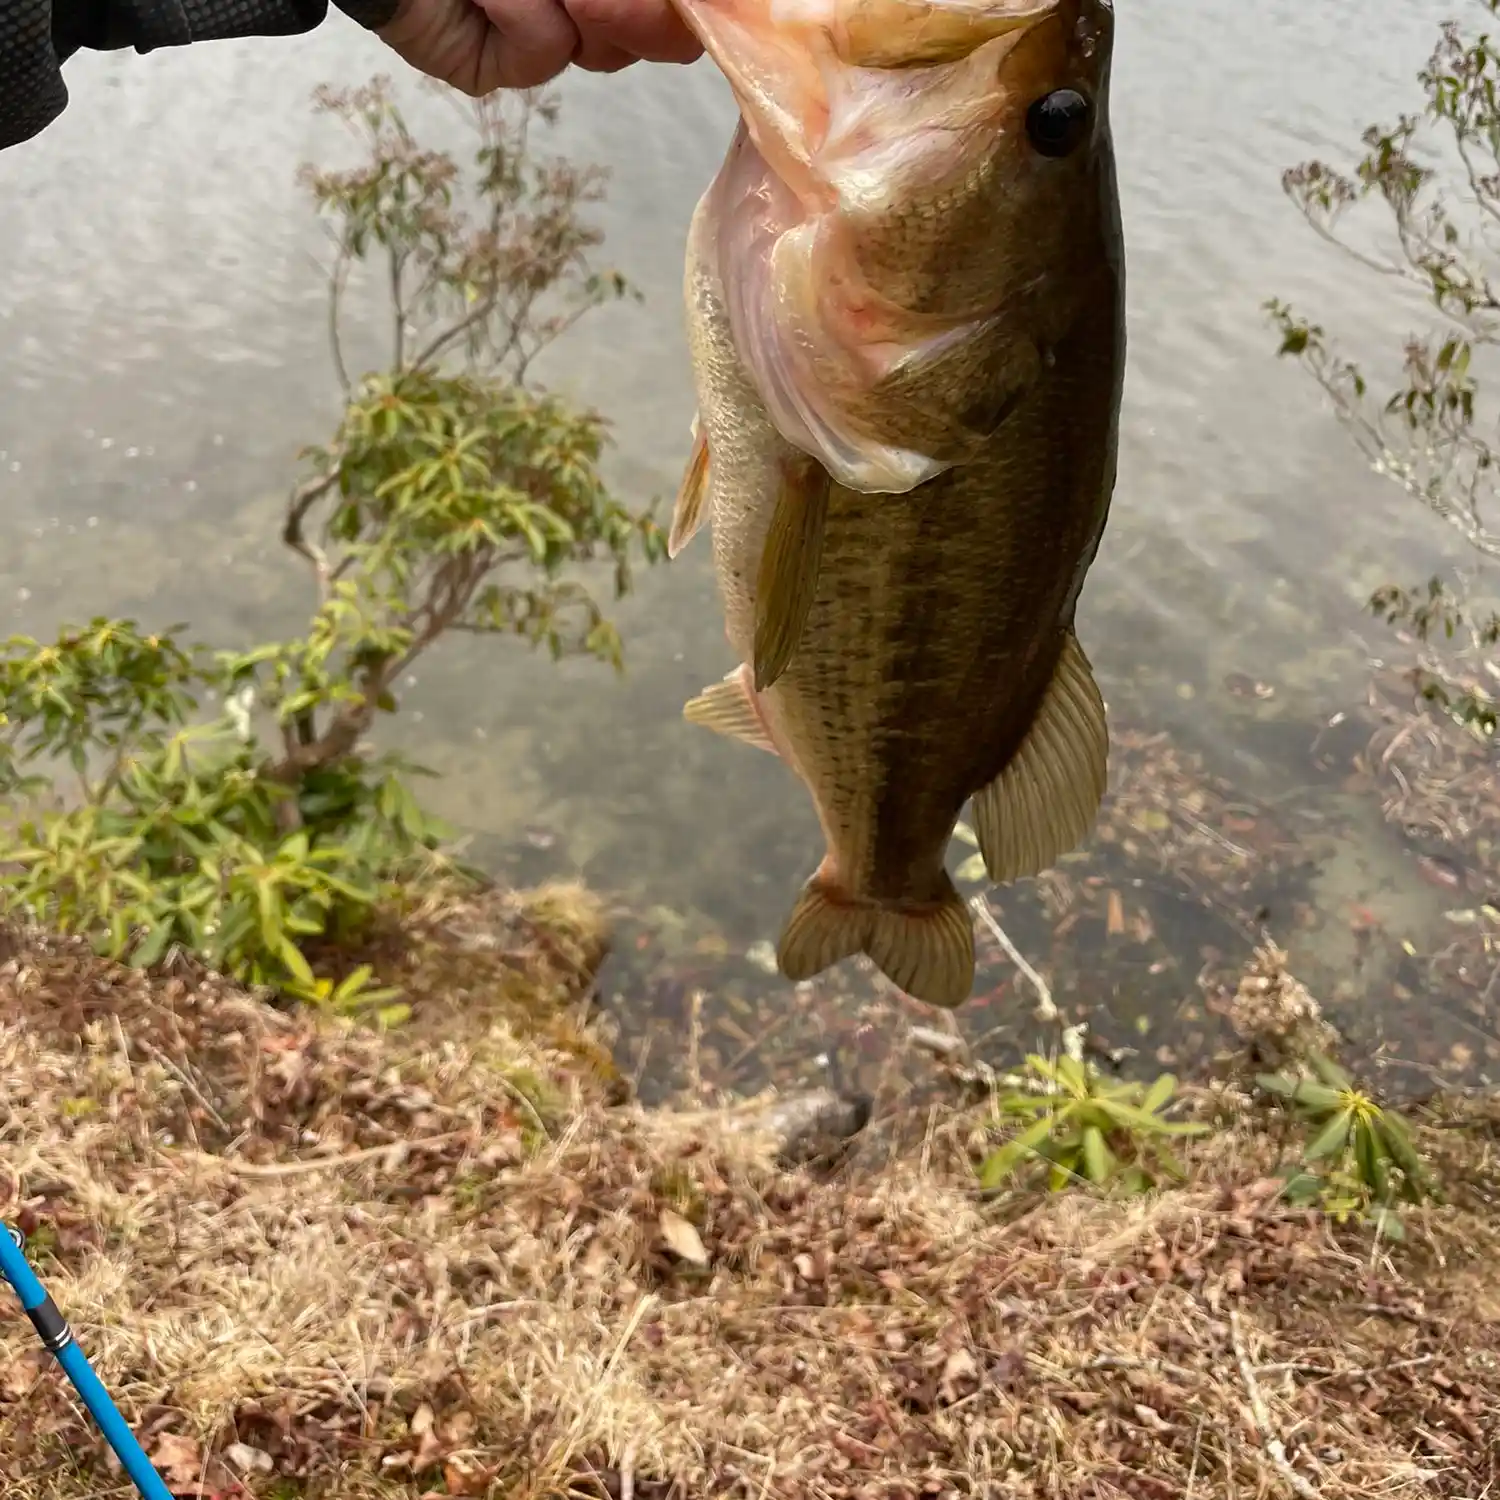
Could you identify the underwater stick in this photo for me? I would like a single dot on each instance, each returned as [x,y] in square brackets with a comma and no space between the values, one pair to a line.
[52,1328]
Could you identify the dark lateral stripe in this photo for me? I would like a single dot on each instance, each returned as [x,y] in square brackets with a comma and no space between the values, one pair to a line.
[52,1328]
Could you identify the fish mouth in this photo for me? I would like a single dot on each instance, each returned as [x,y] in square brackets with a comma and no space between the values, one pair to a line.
[846,106]
[782,58]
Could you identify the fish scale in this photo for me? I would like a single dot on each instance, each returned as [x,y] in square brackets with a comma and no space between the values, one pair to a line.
[906,650]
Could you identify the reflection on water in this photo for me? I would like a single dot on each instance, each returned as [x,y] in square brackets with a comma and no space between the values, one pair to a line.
[164,359]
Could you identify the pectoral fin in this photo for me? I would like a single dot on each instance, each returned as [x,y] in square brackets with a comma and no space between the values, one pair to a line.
[729,709]
[692,496]
[925,949]
[788,576]
[1043,804]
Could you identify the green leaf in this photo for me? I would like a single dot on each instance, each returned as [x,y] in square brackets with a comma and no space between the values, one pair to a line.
[1148,1124]
[152,946]
[1302,1187]
[1159,1093]
[1367,1155]
[1332,1138]
[1399,1145]
[1098,1159]
[1280,1084]
[296,965]
[1169,1164]
[1072,1074]
[1000,1163]
[1330,1073]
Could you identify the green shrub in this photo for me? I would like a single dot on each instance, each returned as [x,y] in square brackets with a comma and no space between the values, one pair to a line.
[226,802]
[1358,1160]
[1085,1130]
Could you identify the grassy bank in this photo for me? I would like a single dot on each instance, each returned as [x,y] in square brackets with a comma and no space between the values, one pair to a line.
[314,1260]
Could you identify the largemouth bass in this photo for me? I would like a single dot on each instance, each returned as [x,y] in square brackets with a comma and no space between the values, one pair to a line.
[905,311]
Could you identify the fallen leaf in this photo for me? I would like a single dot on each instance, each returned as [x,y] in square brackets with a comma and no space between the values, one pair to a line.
[249,1460]
[1148,1416]
[18,1377]
[463,1479]
[681,1238]
[459,1428]
[960,1376]
[1116,919]
[179,1461]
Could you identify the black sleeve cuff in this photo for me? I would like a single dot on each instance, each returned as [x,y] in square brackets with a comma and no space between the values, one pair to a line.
[371,14]
[38,36]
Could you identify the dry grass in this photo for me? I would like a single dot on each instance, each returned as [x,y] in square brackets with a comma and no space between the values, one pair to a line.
[319,1262]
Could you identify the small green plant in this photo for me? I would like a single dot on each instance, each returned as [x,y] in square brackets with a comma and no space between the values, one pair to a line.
[181,831]
[226,803]
[1083,1129]
[353,995]
[1358,1160]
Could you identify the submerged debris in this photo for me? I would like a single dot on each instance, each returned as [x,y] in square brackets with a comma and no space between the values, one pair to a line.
[1274,1011]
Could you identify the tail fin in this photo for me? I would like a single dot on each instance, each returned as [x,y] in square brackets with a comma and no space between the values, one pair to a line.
[925,949]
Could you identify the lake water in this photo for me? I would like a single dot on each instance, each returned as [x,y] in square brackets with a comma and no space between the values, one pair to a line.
[162,356]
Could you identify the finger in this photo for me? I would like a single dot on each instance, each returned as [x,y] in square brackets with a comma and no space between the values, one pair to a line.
[480,47]
[648,29]
[527,42]
[600,57]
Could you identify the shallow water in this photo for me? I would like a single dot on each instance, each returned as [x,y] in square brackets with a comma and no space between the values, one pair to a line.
[163,359]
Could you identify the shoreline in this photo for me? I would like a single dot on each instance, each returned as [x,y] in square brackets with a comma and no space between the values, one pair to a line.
[317,1260]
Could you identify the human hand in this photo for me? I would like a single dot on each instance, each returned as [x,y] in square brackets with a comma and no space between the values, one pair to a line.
[479,46]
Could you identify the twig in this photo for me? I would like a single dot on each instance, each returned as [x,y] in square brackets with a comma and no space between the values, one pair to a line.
[1328,1372]
[1275,1449]
[695,1043]
[939,1043]
[1045,1010]
[442,341]
[157,1055]
[767,1032]
[954,1052]
[525,1104]
[1160,1366]
[337,280]
[302,499]
[273,1170]
[627,1472]
[397,264]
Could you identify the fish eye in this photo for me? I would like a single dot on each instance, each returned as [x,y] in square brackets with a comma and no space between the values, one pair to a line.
[1058,122]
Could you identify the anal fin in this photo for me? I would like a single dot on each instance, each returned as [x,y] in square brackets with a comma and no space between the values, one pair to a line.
[924,948]
[1045,802]
[729,709]
[788,576]
[692,495]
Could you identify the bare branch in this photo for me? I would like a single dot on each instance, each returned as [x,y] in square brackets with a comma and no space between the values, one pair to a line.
[338,279]
[396,265]
[302,499]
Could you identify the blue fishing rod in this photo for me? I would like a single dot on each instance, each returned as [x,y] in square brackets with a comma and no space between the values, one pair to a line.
[52,1328]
